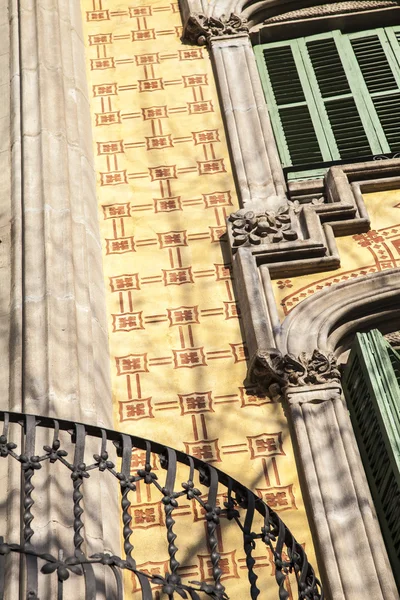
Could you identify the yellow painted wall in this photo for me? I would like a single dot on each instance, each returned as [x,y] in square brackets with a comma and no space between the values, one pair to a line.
[360,254]
[178,364]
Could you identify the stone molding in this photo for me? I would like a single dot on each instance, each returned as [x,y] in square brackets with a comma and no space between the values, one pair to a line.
[334,8]
[394,339]
[293,237]
[255,11]
[256,164]
[329,319]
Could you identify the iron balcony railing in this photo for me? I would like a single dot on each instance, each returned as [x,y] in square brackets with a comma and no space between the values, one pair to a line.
[66,456]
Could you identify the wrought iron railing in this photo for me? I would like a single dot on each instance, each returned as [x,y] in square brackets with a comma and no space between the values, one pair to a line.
[222,498]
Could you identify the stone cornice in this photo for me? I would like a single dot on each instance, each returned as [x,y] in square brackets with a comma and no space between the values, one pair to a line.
[200,30]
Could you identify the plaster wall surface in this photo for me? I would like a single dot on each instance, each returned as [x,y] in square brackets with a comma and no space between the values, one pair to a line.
[178,358]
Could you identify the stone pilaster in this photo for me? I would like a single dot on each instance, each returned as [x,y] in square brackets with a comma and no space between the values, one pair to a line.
[253,150]
[352,556]
[58,283]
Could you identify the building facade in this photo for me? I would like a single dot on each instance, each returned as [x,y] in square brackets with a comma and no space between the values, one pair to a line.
[199,212]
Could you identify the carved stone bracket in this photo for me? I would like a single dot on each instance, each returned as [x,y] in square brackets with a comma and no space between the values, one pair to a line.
[289,371]
[200,29]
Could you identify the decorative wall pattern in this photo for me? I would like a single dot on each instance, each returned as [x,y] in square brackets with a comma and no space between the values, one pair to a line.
[165,189]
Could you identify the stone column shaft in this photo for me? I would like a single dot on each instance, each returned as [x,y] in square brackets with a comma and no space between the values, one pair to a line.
[64,362]
[57,360]
[353,559]
[254,154]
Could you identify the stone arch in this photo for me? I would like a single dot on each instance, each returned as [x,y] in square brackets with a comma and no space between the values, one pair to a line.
[268,12]
[329,319]
[256,11]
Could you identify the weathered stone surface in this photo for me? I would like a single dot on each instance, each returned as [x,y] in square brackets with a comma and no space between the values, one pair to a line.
[55,353]
[268,227]
[256,163]
[314,368]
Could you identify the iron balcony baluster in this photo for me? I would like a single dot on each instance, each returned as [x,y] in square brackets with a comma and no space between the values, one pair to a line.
[240,508]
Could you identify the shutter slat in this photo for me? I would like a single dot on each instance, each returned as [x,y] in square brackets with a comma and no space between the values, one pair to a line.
[300,135]
[374,64]
[285,81]
[343,116]
[296,121]
[388,111]
[325,58]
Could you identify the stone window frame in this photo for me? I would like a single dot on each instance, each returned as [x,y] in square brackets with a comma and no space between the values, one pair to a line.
[255,160]
[319,210]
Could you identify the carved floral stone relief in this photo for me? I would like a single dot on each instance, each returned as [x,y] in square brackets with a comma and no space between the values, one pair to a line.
[200,29]
[289,371]
[251,228]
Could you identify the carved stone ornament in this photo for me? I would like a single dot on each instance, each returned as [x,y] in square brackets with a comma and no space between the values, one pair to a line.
[250,228]
[288,371]
[200,29]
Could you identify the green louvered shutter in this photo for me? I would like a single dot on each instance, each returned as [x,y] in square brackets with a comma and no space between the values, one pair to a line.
[333,97]
[375,55]
[290,102]
[371,383]
[335,93]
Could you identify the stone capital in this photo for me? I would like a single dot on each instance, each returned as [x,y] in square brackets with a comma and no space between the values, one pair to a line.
[291,372]
[201,30]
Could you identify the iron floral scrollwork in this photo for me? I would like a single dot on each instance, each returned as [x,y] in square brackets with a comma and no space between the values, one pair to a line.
[290,371]
[200,29]
[213,503]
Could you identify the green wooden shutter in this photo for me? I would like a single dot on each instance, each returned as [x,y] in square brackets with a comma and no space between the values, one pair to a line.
[371,383]
[344,108]
[289,100]
[333,96]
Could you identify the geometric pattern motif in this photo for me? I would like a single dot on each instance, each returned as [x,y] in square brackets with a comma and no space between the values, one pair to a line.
[165,189]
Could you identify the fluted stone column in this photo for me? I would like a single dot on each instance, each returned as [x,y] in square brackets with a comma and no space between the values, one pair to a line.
[64,363]
[55,349]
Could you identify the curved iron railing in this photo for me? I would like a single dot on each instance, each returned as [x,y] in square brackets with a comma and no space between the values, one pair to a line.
[238,505]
